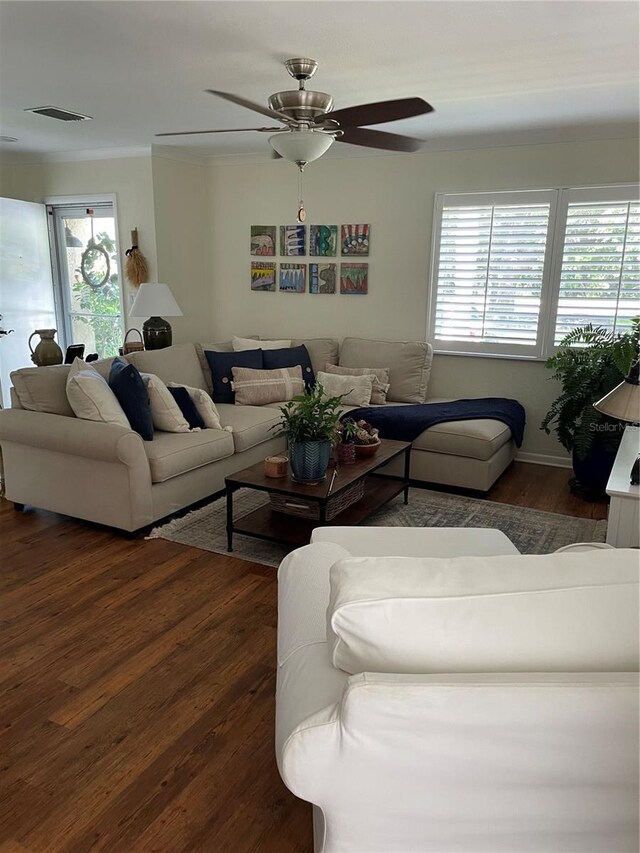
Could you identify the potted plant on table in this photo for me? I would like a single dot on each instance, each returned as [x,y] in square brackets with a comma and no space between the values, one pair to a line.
[590,362]
[310,423]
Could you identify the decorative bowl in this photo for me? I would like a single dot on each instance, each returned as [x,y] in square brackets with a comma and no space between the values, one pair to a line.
[365,450]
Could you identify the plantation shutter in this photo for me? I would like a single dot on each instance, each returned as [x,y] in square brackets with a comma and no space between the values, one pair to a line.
[490,267]
[600,271]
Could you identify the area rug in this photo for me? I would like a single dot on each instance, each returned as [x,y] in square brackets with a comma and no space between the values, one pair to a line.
[532,531]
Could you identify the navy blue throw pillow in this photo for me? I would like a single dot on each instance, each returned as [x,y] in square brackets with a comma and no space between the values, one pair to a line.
[128,386]
[187,407]
[290,357]
[220,364]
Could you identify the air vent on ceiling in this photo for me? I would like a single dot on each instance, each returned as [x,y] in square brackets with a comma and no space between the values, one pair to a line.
[56,112]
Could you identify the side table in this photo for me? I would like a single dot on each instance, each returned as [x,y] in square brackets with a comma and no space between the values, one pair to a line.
[623,528]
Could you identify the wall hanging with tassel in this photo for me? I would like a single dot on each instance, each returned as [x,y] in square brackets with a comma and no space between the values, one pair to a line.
[136,265]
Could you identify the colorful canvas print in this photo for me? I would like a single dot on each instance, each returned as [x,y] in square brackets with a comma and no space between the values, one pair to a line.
[323,240]
[354,278]
[293,278]
[263,275]
[263,239]
[292,239]
[322,278]
[355,239]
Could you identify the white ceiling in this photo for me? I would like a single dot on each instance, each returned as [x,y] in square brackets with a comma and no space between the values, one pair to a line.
[496,72]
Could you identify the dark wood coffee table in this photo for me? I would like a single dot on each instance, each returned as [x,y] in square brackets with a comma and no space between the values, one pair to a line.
[266,523]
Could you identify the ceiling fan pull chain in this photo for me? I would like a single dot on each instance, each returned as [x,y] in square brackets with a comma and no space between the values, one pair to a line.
[302,213]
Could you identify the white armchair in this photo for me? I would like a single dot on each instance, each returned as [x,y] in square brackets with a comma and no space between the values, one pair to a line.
[454,761]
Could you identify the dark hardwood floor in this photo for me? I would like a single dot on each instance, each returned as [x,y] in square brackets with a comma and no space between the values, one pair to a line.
[136,689]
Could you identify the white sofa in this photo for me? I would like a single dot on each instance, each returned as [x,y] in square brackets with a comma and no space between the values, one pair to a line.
[465,758]
[108,474]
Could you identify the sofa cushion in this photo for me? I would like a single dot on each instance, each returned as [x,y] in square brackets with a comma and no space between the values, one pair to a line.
[290,357]
[322,351]
[380,379]
[173,453]
[204,404]
[409,364]
[187,407]
[91,398]
[259,387]
[475,439]
[220,364]
[354,390]
[251,425]
[221,346]
[562,612]
[43,389]
[240,344]
[165,412]
[127,384]
[172,364]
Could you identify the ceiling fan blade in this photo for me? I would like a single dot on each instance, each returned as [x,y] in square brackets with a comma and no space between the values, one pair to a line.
[380,139]
[378,113]
[242,102]
[227,130]
[275,155]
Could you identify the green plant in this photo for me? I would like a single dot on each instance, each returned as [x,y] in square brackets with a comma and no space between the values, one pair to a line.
[310,417]
[347,430]
[591,361]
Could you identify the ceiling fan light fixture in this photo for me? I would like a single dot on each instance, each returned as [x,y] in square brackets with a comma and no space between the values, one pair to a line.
[301,146]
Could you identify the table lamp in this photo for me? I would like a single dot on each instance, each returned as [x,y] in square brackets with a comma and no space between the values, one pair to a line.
[153,300]
[623,403]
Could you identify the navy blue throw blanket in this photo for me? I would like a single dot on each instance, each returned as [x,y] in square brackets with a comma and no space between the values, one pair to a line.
[405,423]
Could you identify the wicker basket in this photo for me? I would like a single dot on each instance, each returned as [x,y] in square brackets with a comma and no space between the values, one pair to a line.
[304,508]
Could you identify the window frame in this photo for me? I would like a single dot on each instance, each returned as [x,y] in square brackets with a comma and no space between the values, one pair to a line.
[559,199]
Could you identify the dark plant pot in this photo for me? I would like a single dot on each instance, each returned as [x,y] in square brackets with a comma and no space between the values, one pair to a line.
[309,460]
[593,471]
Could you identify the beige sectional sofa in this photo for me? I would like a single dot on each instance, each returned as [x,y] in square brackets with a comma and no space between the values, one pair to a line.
[106,473]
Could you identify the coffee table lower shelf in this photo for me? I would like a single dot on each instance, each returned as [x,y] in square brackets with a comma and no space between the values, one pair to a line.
[264,523]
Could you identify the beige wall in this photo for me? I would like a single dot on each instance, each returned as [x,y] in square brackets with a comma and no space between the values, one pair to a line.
[129,178]
[182,235]
[395,195]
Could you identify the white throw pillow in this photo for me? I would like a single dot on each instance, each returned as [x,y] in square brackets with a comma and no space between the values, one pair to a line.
[240,344]
[357,389]
[205,406]
[514,613]
[165,412]
[91,398]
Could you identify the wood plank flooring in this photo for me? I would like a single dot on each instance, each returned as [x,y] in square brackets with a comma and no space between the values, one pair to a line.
[136,689]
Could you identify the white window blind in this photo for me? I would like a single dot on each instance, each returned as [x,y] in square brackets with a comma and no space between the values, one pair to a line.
[600,270]
[492,260]
[513,272]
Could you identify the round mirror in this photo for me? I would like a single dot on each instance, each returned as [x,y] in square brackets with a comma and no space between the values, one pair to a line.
[95,266]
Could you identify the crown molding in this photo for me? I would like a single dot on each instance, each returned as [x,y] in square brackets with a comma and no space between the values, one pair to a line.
[37,158]
[168,152]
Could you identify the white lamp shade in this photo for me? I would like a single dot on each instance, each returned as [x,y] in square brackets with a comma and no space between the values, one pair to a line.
[301,146]
[155,300]
[622,403]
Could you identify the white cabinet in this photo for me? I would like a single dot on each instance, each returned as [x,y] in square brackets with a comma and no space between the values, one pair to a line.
[623,530]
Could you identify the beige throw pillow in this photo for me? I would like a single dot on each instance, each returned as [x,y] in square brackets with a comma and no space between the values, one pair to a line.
[91,398]
[356,389]
[258,387]
[205,406]
[165,412]
[380,383]
[240,344]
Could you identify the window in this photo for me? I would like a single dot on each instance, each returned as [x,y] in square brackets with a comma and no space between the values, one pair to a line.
[87,275]
[512,272]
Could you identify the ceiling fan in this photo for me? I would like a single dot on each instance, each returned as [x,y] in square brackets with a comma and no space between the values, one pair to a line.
[309,125]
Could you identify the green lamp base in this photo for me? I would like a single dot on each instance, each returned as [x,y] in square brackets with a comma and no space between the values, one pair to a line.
[156,333]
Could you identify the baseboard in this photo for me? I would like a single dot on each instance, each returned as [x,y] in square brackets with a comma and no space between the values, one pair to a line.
[544,459]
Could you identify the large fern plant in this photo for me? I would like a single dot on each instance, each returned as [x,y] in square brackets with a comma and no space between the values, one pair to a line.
[591,361]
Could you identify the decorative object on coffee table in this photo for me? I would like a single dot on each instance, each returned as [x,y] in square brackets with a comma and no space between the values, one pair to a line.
[47,350]
[276,466]
[345,448]
[152,301]
[310,424]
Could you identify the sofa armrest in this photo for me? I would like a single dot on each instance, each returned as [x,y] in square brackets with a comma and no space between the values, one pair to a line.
[74,436]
